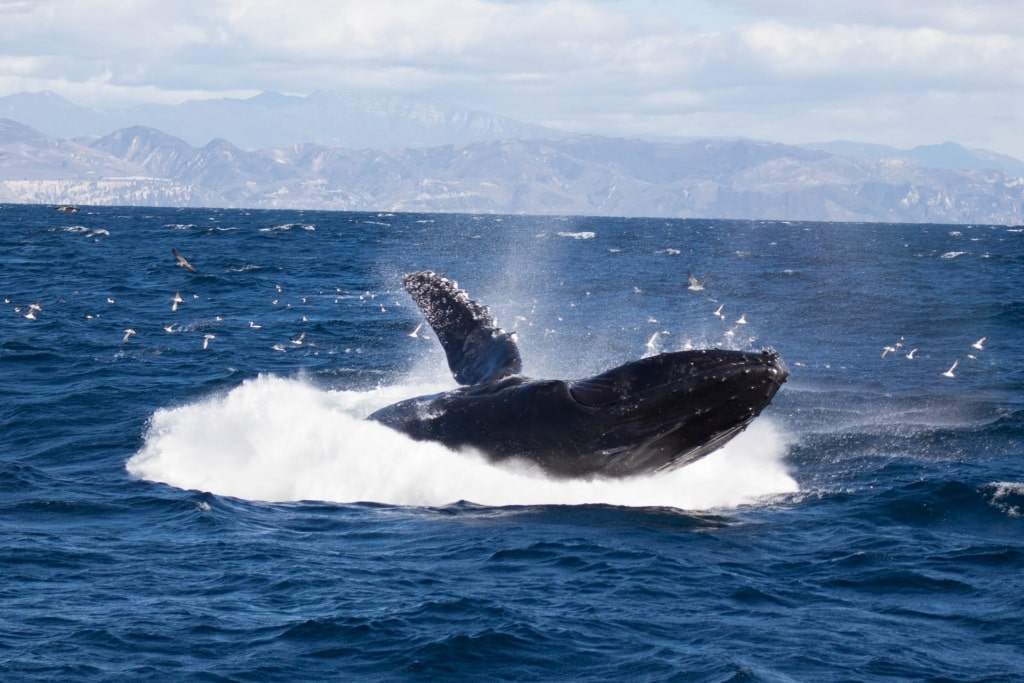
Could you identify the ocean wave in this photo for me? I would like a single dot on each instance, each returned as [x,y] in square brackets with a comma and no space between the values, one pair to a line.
[247,268]
[285,227]
[277,439]
[585,235]
[1007,497]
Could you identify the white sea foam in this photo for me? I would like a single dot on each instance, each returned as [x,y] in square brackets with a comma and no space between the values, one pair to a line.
[1007,497]
[289,226]
[277,439]
[584,235]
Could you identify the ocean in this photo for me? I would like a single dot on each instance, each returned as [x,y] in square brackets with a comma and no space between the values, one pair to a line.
[189,491]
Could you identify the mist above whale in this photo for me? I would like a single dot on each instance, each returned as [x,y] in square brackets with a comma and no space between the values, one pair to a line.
[649,415]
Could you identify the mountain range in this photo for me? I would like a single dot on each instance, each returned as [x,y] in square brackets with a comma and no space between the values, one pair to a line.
[361,152]
[353,120]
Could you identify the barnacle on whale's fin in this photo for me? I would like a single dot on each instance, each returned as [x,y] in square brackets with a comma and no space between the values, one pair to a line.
[478,350]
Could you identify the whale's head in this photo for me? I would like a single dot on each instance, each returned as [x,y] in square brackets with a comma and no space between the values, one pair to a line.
[668,410]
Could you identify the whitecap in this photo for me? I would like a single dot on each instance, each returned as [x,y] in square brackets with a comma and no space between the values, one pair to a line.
[1007,497]
[278,439]
[285,227]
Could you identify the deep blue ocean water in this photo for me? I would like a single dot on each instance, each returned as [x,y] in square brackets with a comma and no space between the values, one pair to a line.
[175,512]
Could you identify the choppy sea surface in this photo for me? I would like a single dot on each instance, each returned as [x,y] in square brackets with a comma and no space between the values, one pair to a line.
[188,490]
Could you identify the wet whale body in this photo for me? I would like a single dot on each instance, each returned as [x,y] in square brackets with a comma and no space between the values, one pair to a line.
[649,415]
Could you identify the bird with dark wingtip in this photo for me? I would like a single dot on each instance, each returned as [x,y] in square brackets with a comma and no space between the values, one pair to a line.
[183,262]
[654,414]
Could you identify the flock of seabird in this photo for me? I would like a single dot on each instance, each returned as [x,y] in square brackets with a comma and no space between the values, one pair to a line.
[176,300]
[695,284]
[950,373]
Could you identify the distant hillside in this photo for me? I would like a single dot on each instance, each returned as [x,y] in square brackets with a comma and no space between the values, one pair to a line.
[363,120]
[580,175]
[353,120]
[948,155]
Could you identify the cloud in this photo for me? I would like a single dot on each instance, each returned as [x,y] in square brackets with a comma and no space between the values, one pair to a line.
[884,55]
[987,16]
[628,67]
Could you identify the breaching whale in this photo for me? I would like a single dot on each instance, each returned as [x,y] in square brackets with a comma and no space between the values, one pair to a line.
[653,414]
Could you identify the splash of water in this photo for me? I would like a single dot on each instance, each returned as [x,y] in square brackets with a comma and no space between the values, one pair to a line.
[278,439]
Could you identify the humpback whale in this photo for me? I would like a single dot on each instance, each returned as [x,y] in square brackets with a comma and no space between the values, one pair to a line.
[653,414]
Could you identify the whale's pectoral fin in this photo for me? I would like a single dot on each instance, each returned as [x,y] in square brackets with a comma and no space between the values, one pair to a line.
[478,350]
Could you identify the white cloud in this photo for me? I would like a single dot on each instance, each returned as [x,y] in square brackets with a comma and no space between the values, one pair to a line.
[885,54]
[983,16]
[785,69]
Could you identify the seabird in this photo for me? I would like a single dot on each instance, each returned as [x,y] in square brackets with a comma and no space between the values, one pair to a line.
[169,328]
[175,300]
[894,348]
[206,339]
[696,284]
[254,325]
[742,320]
[182,262]
[652,343]
[127,335]
[911,354]
[949,373]
[301,338]
[416,333]
[980,344]
[719,312]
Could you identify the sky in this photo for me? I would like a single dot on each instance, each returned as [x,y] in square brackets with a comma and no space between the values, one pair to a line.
[896,72]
